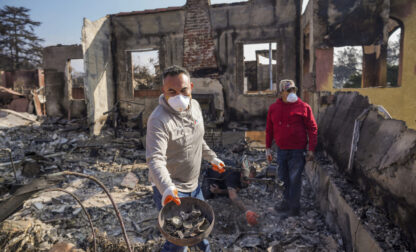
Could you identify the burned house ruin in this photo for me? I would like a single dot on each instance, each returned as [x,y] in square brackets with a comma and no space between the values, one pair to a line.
[360,190]
[207,39]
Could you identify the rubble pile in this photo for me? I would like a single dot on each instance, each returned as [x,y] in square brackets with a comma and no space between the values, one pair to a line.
[388,235]
[307,232]
[53,217]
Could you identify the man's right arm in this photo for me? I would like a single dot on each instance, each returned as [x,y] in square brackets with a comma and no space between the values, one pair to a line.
[251,216]
[232,194]
[156,145]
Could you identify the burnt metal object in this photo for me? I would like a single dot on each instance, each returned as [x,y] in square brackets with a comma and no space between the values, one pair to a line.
[186,224]
[188,205]
[271,173]
[83,209]
[267,180]
[11,161]
[120,219]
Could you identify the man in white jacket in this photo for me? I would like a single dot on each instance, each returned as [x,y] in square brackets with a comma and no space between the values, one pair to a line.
[175,145]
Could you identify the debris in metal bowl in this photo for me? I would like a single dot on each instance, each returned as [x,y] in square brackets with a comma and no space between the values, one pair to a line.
[187,224]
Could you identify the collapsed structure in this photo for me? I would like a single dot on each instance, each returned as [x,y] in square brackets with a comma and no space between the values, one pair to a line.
[374,154]
[208,40]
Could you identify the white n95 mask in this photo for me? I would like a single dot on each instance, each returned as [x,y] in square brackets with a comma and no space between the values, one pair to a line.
[292,97]
[179,102]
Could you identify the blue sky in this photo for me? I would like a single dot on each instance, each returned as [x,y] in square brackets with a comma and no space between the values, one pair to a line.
[62,20]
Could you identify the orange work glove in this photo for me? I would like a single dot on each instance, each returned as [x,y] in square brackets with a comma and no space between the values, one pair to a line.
[269,155]
[251,217]
[218,165]
[171,194]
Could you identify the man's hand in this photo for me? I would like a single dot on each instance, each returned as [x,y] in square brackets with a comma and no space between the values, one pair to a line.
[171,194]
[269,155]
[218,165]
[251,217]
[309,156]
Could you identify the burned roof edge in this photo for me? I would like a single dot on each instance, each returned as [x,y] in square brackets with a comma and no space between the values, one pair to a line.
[153,11]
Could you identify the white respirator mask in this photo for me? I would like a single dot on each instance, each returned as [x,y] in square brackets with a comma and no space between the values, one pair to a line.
[179,102]
[292,97]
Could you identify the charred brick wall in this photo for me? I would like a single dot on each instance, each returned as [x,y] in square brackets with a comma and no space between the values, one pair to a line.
[199,47]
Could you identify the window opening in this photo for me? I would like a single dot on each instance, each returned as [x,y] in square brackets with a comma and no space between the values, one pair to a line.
[77,75]
[259,67]
[393,58]
[348,66]
[304,5]
[145,70]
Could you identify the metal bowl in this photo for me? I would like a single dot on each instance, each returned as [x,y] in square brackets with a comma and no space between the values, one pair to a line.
[171,209]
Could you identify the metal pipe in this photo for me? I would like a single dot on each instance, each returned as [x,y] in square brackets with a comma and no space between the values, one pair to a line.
[120,219]
[384,111]
[355,138]
[83,209]
[11,161]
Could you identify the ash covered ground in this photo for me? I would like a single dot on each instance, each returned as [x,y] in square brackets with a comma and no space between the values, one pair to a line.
[50,218]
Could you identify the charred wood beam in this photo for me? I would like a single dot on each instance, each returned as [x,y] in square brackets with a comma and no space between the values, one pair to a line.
[11,161]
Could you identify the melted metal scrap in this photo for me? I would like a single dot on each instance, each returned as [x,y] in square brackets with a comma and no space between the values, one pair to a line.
[187,224]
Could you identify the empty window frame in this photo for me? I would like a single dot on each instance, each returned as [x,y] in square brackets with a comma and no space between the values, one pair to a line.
[348,66]
[259,67]
[76,79]
[145,70]
[304,6]
[394,54]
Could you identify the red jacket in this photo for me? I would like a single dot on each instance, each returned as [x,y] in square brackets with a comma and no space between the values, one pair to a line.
[291,125]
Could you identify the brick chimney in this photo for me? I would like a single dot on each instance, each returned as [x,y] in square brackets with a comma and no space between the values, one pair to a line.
[199,48]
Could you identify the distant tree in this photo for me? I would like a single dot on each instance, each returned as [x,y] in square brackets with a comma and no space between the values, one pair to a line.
[347,67]
[143,77]
[19,46]
[354,81]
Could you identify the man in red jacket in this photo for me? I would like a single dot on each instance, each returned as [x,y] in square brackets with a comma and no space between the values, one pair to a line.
[290,123]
